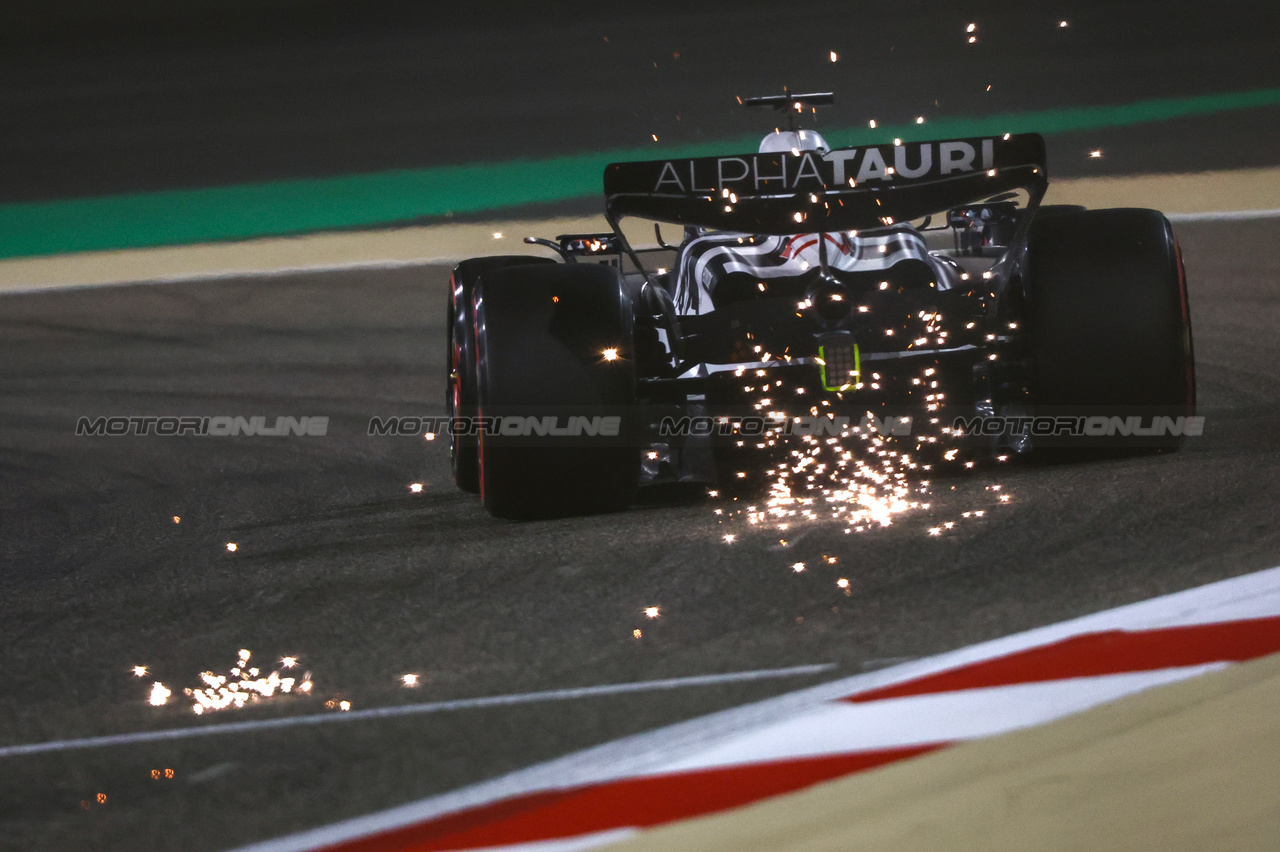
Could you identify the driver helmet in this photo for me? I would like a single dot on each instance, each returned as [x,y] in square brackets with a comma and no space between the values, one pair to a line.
[793,140]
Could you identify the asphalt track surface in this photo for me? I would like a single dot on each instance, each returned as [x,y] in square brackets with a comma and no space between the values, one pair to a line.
[340,564]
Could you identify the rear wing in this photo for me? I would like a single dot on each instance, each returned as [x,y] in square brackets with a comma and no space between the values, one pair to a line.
[844,189]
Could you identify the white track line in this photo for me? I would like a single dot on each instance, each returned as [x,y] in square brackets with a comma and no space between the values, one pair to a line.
[1248,596]
[414,709]
[568,844]
[1223,215]
[841,727]
[233,274]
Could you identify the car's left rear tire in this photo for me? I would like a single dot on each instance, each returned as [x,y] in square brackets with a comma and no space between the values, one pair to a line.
[460,388]
[555,342]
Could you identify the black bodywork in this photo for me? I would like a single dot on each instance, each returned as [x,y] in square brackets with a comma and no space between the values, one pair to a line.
[884,327]
[812,301]
[915,295]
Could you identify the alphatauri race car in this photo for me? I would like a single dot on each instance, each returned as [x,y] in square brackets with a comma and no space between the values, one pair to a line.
[914,294]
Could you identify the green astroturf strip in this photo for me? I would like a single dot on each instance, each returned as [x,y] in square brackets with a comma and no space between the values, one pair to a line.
[353,201]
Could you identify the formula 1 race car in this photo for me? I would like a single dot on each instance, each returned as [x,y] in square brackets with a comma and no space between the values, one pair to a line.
[812,294]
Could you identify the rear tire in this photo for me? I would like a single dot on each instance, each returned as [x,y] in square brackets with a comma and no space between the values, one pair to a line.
[460,386]
[1109,324]
[541,337]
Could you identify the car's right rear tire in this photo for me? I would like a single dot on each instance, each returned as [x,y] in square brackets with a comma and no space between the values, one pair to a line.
[1110,328]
